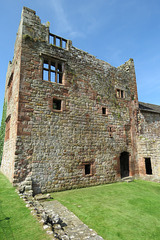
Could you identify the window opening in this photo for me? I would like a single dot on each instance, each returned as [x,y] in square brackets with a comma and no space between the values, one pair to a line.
[87,169]
[56,104]
[148,166]
[52,71]
[10,79]
[110,132]
[10,86]
[57,41]
[64,44]
[120,93]
[103,110]
[7,132]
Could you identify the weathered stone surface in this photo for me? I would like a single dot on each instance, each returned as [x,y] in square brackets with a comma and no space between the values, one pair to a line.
[42,197]
[57,220]
[148,141]
[70,226]
[82,143]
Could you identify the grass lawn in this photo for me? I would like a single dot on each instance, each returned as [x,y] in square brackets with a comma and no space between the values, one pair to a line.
[16,222]
[117,211]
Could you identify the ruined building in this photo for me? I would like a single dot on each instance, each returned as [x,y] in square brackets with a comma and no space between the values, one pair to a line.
[73,120]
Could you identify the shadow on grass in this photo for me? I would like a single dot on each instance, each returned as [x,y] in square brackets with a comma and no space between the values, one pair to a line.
[6,232]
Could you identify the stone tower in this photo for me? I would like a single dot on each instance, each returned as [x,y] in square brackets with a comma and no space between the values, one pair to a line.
[71,118]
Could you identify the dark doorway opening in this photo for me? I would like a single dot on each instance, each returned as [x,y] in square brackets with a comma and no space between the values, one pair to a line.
[148,166]
[124,164]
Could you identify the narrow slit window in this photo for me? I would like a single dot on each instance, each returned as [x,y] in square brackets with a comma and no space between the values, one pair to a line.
[87,169]
[59,77]
[122,94]
[104,110]
[148,166]
[110,132]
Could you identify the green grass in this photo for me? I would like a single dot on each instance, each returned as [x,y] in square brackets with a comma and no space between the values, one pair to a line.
[16,222]
[126,211]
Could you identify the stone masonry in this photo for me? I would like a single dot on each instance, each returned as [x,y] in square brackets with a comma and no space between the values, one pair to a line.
[73,120]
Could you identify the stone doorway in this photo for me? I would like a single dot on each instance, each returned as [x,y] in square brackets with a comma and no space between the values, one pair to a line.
[124,164]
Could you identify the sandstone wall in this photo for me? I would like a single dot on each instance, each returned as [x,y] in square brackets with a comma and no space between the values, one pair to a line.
[149,142]
[12,99]
[54,146]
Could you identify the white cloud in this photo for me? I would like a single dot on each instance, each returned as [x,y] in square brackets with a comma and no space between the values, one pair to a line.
[63,23]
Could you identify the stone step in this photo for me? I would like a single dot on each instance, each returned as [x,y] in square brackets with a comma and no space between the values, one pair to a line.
[127,179]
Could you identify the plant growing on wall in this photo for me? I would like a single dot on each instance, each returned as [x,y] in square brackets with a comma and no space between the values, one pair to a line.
[2,129]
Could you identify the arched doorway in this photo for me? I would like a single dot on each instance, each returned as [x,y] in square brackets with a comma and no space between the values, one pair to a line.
[124,164]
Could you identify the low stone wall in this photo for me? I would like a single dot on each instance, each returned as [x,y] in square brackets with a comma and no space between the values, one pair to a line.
[57,220]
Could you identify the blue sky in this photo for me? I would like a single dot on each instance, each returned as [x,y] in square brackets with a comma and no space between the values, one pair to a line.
[112,30]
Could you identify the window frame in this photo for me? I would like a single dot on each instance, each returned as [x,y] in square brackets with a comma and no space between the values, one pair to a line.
[120,93]
[148,166]
[104,111]
[53,67]
[61,102]
[91,169]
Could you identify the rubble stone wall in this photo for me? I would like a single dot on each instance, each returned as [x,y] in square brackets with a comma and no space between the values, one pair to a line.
[54,146]
[148,142]
[12,99]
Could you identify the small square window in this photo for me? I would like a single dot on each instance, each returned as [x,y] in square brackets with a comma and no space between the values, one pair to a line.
[104,110]
[87,169]
[56,104]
